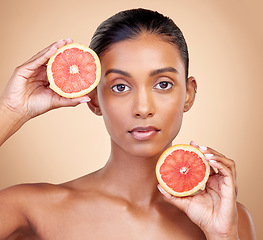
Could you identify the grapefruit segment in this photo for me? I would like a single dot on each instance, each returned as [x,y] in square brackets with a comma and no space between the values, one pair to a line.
[182,170]
[74,70]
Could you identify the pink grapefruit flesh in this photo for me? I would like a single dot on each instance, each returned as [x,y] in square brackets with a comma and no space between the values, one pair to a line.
[182,170]
[74,70]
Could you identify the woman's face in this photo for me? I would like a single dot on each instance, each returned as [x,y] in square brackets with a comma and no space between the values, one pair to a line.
[142,95]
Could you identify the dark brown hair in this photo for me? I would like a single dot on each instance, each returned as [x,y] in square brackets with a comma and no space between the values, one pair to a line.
[131,23]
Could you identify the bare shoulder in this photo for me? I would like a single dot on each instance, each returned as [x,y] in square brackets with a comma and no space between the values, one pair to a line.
[246,226]
[28,192]
[21,197]
[44,193]
[18,204]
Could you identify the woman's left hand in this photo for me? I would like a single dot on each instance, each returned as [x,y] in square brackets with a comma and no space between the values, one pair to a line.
[214,210]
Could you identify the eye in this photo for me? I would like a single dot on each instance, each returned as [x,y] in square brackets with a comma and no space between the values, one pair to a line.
[164,85]
[120,88]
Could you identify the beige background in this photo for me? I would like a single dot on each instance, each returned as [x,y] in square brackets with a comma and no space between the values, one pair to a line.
[225,44]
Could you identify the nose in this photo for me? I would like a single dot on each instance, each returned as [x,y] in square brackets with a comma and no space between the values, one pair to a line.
[144,106]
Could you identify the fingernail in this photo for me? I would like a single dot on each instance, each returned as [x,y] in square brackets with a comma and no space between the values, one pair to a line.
[212,161]
[85,101]
[214,169]
[52,47]
[208,155]
[160,189]
[202,148]
[193,143]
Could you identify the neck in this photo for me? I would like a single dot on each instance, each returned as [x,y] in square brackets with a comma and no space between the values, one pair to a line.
[131,177]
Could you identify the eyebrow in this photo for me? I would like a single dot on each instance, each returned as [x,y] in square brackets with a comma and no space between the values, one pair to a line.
[152,73]
[113,70]
[163,70]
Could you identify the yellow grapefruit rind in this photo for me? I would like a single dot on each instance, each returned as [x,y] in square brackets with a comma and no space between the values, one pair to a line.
[56,89]
[199,186]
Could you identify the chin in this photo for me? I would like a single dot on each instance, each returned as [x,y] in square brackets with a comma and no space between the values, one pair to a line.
[147,150]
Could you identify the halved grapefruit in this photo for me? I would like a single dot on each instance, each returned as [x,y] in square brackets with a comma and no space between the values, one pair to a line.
[74,70]
[182,170]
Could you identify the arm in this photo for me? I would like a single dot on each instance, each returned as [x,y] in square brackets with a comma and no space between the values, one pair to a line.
[215,210]
[27,94]
[246,228]
[10,122]
[12,217]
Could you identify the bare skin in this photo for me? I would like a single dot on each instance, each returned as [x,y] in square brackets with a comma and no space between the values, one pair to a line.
[120,201]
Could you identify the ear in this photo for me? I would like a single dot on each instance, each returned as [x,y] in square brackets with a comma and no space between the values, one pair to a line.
[94,103]
[191,87]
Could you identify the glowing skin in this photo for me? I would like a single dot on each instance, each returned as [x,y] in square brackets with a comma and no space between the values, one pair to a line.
[142,95]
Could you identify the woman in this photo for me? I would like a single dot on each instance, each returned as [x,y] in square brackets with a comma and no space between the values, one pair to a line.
[142,95]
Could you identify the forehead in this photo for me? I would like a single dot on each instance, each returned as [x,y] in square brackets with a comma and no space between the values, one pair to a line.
[143,53]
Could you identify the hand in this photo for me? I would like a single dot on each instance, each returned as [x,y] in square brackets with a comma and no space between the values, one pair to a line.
[214,210]
[27,92]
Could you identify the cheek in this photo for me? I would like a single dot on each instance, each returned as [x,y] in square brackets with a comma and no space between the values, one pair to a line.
[172,112]
[173,118]
[113,113]
[173,104]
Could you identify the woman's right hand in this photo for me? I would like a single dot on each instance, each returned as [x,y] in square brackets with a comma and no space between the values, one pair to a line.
[27,93]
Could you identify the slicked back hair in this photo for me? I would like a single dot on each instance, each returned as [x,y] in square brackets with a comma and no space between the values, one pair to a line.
[132,23]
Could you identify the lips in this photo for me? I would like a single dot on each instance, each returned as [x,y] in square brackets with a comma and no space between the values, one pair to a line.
[144,133]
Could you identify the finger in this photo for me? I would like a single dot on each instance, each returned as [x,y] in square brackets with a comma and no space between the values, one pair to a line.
[181,202]
[213,151]
[211,154]
[27,69]
[57,45]
[227,186]
[59,101]
[229,163]
[205,149]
